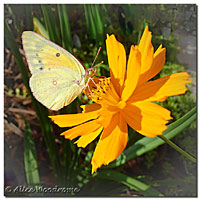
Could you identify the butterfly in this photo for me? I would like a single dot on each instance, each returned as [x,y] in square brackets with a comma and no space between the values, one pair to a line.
[57,76]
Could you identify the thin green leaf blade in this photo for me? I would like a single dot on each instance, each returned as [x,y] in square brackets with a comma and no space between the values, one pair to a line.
[29,17]
[90,21]
[30,158]
[39,28]
[86,16]
[98,23]
[50,22]
[65,28]
[132,183]
[9,38]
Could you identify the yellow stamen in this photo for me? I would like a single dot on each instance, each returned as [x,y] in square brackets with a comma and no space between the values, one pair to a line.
[96,93]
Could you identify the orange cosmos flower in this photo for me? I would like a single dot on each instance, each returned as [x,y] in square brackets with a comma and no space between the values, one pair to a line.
[124,99]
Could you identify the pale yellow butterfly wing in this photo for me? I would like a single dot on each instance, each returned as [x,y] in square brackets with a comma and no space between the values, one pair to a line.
[57,76]
[55,87]
[42,53]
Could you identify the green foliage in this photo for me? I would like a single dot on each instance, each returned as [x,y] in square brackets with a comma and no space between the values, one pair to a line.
[184,187]
[149,158]
[50,23]
[10,41]
[167,167]
[94,22]
[132,183]
[30,159]
[65,28]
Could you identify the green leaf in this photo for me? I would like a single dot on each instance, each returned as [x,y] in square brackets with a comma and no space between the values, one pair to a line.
[50,23]
[98,23]
[147,144]
[86,16]
[132,183]
[94,23]
[30,159]
[9,38]
[29,17]
[65,28]
[39,28]
[67,156]
[90,23]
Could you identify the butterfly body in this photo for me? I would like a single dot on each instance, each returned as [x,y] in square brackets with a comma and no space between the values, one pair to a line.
[57,76]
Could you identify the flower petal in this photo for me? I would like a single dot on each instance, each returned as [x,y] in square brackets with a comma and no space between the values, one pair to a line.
[84,140]
[111,146]
[106,117]
[117,62]
[90,107]
[81,130]
[68,120]
[147,118]
[162,88]
[146,49]
[133,72]
[157,65]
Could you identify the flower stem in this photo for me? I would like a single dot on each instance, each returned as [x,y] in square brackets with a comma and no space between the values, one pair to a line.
[174,146]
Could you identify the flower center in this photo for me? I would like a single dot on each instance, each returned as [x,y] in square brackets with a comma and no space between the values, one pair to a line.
[95,91]
[121,105]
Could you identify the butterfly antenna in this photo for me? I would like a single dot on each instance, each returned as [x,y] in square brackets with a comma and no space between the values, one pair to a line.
[96,57]
[98,64]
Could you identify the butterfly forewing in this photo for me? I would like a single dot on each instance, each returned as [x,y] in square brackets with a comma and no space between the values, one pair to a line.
[42,53]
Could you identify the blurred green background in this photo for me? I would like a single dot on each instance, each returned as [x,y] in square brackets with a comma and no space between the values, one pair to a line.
[35,154]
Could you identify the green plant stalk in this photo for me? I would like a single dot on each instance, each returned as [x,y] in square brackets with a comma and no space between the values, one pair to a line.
[177,148]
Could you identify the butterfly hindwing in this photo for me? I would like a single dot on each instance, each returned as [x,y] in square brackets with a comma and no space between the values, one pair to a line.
[55,87]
